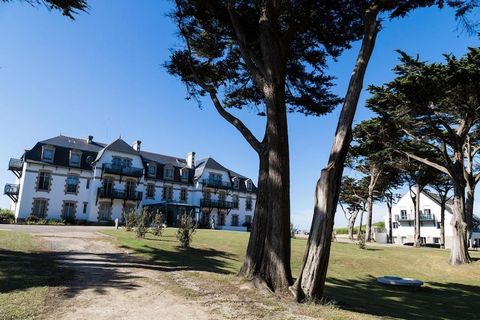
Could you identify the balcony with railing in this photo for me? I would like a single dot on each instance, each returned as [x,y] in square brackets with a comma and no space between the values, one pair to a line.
[411,217]
[219,204]
[122,171]
[12,191]
[16,166]
[217,184]
[119,194]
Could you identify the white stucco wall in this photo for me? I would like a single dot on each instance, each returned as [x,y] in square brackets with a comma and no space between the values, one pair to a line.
[405,233]
[56,195]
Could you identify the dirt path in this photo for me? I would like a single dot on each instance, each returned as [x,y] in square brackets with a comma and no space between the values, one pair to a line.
[109,284]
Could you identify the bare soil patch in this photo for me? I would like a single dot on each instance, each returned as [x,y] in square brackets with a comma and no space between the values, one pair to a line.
[108,283]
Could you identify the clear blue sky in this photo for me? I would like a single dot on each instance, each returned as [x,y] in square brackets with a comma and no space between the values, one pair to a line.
[102,75]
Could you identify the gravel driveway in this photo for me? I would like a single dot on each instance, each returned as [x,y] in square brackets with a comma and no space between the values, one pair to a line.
[107,282]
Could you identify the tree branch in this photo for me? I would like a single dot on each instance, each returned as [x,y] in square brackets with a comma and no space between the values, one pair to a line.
[253,63]
[427,162]
[237,123]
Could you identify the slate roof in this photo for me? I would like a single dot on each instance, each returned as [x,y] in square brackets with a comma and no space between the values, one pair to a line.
[436,199]
[74,143]
[94,150]
[63,145]
[163,159]
[119,146]
[210,163]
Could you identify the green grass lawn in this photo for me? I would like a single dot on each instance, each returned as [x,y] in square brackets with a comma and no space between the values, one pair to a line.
[27,276]
[449,292]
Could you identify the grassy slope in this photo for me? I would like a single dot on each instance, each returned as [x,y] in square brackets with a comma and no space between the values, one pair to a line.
[26,276]
[449,293]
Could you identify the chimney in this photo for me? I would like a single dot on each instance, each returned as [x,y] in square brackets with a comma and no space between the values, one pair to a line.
[136,145]
[191,159]
[89,139]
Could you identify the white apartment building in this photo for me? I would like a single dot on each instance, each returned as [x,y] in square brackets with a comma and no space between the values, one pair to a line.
[81,179]
[403,221]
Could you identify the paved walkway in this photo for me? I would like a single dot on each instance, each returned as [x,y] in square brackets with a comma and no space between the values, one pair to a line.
[107,282]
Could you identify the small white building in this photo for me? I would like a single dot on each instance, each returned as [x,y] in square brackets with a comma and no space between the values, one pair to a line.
[81,179]
[403,221]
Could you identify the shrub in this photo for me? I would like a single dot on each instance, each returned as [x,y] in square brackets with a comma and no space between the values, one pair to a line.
[81,222]
[141,226]
[157,225]
[54,221]
[68,220]
[361,241]
[7,216]
[186,229]
[31,219]
[130,220]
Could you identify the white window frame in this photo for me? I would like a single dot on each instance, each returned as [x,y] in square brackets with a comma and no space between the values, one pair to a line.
[248,203]
[183,191]
[249,185]
[67,206]
[48,148]
[184,174]
[150,187]
[168,169]
[76,185]
[152,167]
[48,181]
[75,153]
[35,203]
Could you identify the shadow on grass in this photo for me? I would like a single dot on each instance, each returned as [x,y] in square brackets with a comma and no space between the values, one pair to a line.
[23,270]
[194,259]
[77,271]
[432,301]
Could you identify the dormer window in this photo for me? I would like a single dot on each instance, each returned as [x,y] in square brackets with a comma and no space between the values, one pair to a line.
[168,173]
[152,170]
[48,153]
[126,163]
[249,185]
[117,162]
[236,183]
[75,158]
[184,173]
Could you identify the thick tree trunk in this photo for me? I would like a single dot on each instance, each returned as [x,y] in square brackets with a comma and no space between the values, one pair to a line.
[311,280]
[417,237]
[270,265]
[359,233]
[256,242]
[275,265]
[275,268]
[459,252]
[442,224]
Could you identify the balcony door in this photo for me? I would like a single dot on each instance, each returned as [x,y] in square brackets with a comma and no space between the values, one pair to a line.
[130,188]
[107,186]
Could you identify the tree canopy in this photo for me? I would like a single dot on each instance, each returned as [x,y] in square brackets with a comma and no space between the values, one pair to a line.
[68,7]
[225,50]
[436,107]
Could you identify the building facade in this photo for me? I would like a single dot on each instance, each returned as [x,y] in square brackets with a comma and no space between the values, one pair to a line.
[403,221]
[81,179]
